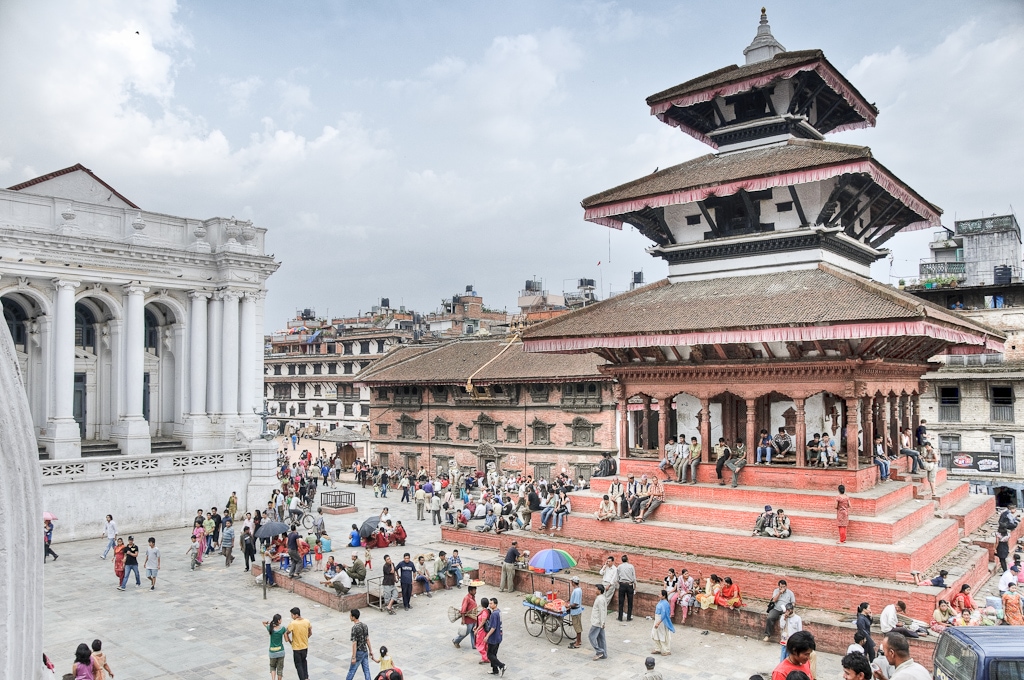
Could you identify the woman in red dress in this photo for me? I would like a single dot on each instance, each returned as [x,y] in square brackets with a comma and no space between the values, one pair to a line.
[119,551]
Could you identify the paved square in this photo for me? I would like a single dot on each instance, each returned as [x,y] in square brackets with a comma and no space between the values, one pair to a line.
[206,624]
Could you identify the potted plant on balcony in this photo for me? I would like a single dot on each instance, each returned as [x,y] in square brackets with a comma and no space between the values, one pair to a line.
[903,284]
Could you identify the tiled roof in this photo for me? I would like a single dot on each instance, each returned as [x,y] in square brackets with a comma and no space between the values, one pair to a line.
[733,73]
[709,170]
[809,297]
[453,363]
[66,171]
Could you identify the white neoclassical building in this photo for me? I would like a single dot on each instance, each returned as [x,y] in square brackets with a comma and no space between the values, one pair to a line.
[137,331]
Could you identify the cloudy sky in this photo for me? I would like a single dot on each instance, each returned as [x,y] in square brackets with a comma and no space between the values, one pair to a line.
[407,149]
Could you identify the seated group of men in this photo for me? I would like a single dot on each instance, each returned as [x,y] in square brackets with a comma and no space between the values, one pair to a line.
[635,499]
[773,523]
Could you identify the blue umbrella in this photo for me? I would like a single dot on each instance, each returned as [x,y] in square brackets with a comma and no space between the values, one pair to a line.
[552,560]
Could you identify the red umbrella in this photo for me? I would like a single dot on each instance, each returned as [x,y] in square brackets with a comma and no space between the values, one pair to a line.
[49,516]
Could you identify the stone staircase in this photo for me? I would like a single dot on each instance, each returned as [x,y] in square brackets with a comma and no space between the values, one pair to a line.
[165,445]
[94,448]
[894,530]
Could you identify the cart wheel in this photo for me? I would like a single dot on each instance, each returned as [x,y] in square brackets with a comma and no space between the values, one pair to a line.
[553,629]
[534,622]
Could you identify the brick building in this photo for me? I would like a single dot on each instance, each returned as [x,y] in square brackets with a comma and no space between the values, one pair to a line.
[311,368]
[466,314]
[486,401]
[971,403]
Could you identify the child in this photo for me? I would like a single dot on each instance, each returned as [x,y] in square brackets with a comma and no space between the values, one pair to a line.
[193,553]
[385,660]
[367,559]
[376,489]
[859,638]
[318,554]
[100,667]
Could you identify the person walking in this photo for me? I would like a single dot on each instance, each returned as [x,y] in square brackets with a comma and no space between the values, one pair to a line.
[435,509]
[650,673]
[248,548]
[152,563]
[494,638]
[576,612]
[598,617]
[842,513]
[227,542]
[298,633]
[421,503]
[119,559]
[627,586]
[362,650]
[468,620]
[508,569]
[276,651]
[662,631]
[48,540]
[110,533]
[100,667]
[294,559]
[131,564]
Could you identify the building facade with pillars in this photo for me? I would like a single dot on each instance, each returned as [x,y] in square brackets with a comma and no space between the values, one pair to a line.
[479,402]
[136,331]
[768,317]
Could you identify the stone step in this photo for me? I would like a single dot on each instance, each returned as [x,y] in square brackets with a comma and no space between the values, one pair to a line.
[96,448]
[888,527]
[165,445]
[946,495]
[916,551]
[813,589]
[771,476]
[972,512]
[875,501]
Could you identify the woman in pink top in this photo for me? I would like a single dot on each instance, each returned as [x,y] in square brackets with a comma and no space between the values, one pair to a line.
[842,513]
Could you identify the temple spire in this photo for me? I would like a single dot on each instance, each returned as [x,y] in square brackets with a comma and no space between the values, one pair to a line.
[764,45]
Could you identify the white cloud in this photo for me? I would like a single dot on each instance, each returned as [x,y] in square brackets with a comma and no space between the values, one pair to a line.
[240,92]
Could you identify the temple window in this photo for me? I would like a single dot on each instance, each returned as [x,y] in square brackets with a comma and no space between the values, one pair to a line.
[464,431]
[949,404]
[441,428]
[541,432]
[512,434]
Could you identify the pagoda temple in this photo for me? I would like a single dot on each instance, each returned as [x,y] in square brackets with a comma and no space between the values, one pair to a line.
[768,317]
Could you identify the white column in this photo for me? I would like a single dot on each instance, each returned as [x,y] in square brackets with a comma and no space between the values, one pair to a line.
[62,438]
[229,354]
[64,350]
[197,353]
[247,356]
[213,353]
[135,350]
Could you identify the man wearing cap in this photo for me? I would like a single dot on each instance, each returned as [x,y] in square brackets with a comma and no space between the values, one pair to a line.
[650,673]
[764,520]
[508,569]
[356,570]
[576,612]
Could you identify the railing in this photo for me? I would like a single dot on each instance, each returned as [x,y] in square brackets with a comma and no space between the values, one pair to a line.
[154,464]
[936,269]
[337,499]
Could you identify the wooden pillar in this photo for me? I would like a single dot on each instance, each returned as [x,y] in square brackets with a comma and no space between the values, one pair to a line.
[904,411]
[915,410]
[894,423]
[705,430]
[645,424]
[800,439]
[620,395]
[852,461]
[662,425]
[751,435]
[869,423]
[883,420]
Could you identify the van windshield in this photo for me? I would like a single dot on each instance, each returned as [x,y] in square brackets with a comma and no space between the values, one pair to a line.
[954,660]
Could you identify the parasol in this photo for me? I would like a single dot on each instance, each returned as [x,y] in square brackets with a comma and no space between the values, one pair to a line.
[49,516]
[368,526]
[552,560]
[270,529]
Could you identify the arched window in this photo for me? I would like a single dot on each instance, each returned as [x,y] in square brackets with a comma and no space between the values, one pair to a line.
[85,328]
[152,333]
[15,317]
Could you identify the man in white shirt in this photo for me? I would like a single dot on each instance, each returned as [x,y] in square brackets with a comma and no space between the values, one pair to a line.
[789,623]
[294,510]
[110,533]
[1009,576]
[896,651]
[341,582]
[610,578]
[889,620]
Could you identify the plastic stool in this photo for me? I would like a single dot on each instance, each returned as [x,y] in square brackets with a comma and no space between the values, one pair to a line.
[285,563]
[307,561]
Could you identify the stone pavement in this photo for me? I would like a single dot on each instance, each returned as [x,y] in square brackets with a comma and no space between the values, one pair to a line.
[206,624]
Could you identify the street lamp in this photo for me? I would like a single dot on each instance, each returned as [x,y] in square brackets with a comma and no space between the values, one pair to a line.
[265,434]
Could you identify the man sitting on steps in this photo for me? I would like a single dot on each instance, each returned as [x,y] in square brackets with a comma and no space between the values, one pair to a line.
[782,443]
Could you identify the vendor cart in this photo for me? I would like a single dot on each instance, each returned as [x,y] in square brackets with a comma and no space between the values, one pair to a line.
[554,625]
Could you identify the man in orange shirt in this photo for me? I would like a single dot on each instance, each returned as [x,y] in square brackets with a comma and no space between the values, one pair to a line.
[798,656]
